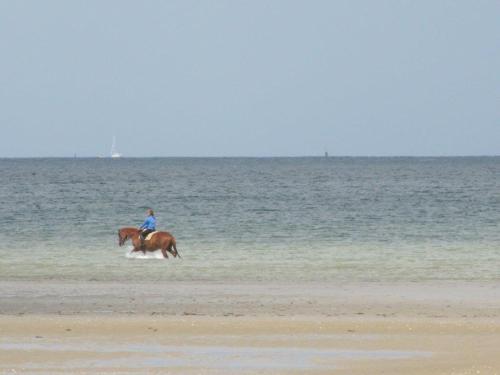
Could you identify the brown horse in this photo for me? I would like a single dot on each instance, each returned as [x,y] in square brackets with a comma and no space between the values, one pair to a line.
[160,240]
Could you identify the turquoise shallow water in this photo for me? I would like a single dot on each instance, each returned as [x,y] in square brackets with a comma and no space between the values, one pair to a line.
[284,219]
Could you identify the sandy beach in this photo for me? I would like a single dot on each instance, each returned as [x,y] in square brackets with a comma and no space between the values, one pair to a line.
[194,328]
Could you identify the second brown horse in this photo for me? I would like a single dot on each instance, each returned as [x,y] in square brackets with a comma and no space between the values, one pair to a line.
[163,241]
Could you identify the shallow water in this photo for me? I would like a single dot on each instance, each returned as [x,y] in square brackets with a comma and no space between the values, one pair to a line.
[147,356]
[283,219]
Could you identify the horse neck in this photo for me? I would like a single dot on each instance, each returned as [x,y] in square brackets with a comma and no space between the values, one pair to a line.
[130,231]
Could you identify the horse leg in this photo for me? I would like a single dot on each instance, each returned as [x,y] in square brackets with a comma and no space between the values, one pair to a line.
[164,252]
[137,246]
[169,249]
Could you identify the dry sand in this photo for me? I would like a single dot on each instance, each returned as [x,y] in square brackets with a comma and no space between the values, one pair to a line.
[194,328]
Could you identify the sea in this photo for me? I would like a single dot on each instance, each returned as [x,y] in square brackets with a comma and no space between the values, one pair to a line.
[310,219]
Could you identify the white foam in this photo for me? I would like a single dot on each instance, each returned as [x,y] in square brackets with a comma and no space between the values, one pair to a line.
[140,255]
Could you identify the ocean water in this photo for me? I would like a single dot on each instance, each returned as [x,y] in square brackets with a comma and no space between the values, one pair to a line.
[253,219]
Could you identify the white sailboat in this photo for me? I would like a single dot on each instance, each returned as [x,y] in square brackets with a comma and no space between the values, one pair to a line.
[114,153]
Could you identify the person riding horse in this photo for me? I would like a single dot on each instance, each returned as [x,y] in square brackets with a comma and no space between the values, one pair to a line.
[148,226]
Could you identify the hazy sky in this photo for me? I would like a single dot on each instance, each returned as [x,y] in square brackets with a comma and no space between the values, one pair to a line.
[255,78]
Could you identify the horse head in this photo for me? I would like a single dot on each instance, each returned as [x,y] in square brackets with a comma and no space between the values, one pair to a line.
[121,238]
[124,234]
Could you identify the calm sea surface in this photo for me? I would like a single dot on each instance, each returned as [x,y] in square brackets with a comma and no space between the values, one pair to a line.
[244,219]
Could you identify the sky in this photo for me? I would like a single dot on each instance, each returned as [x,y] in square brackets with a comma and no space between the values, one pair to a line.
[249,78]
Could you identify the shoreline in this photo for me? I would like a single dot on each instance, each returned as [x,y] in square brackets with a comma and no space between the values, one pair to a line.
[354,299]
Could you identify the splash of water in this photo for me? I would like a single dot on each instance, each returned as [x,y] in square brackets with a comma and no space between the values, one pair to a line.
[140,255]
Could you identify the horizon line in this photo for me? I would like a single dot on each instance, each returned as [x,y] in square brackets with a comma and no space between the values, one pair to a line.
[254,157]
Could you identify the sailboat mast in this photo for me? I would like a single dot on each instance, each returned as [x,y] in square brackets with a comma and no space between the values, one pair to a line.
[114,153]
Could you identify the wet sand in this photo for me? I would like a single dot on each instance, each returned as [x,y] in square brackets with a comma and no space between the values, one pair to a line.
[342,299]
[194,328]
[247,345]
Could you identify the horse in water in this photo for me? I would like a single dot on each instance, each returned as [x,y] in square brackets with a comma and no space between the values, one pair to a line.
[156,240]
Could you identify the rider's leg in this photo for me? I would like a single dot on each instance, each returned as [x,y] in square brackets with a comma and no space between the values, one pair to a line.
[143,236]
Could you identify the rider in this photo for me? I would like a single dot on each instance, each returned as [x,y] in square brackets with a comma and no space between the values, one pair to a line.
[148,226]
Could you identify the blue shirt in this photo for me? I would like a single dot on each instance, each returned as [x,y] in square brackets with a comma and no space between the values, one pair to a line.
[149,223]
